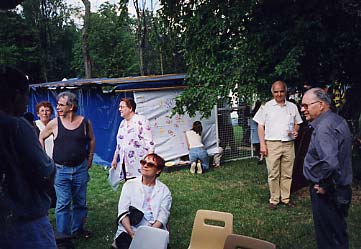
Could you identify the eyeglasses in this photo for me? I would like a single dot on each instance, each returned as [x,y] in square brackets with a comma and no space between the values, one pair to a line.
[305,106]
[61,105]
[149,164]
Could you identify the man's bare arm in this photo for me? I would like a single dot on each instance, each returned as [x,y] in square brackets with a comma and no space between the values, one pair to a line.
[91,144]
[48,131]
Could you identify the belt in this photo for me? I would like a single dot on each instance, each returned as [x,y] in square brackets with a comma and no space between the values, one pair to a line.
[280,141]
[69,164]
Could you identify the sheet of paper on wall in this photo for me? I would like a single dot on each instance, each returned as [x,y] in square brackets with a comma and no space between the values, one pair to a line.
[168,132]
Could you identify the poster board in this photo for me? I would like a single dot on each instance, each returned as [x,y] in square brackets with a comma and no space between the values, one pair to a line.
[169,132]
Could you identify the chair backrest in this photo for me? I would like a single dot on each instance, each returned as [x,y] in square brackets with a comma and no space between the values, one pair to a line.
[150,238]
[235,241]
[207,233]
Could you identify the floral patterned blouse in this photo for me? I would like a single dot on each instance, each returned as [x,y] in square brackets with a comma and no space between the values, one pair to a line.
[134,141]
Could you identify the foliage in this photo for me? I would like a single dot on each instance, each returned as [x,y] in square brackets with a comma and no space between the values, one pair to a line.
[18,47]
[231,45]
[55,33]
[111,43]
[239,188]
[209,30]
[85,40]
[237,47]
[167,37]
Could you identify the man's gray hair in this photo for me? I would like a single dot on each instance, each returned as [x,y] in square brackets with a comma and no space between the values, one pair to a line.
[279,81]
[72,99]
[321,95]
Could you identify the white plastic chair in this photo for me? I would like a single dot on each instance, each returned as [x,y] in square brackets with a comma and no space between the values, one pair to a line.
[150,238]
[210,236]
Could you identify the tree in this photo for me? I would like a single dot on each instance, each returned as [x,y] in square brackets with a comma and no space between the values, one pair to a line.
[18,45]
[246,45]
[168,37]
[154,47]
[112,43]
[54,33]
[85,40]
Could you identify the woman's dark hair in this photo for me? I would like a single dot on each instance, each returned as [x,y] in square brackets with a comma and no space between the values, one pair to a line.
[158,160]
[130,103]
[197,127]
[256,107]
[45,104]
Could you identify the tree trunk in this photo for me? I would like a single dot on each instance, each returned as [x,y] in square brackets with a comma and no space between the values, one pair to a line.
[85,40]
[141,34]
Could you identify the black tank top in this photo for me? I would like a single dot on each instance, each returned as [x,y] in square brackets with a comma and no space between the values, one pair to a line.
[70,146]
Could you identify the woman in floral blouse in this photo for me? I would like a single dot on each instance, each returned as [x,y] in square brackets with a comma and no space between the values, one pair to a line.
[134,140]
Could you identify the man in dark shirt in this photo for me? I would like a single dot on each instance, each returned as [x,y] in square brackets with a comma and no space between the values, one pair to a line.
[328,167]
[74,145]
[26,172]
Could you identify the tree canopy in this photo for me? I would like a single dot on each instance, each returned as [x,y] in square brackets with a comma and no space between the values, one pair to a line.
[223,46]
[244,46]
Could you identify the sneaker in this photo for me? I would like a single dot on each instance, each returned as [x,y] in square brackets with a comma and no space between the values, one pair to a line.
[199,168]
[193,168]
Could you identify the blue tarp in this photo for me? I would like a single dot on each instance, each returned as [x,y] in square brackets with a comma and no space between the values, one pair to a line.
[99,107]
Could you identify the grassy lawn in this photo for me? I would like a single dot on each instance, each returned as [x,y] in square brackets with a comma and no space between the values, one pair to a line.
[239,187]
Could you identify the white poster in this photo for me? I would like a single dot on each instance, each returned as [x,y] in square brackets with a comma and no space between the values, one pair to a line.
[168,132]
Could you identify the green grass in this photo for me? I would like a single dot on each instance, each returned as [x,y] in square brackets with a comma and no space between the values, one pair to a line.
[239,188]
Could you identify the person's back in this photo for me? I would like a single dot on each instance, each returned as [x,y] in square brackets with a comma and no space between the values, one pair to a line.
[26,171]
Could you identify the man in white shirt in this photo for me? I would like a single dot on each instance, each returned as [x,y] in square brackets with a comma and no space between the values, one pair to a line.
[278,124]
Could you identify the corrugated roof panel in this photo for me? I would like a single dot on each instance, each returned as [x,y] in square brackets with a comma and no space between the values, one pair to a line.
[166,79]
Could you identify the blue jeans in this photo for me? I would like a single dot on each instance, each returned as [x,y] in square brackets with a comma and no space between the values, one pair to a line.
[201,154]
[71,186]
[35,234]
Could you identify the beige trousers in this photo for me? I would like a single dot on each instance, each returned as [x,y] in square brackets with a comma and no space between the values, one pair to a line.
[280,159]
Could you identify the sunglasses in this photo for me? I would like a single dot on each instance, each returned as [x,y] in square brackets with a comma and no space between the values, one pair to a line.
[149,164]
[305,106]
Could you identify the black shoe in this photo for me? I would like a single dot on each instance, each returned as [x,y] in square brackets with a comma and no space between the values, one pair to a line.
[272,206]
[290,205]
[85,234]
[65,244]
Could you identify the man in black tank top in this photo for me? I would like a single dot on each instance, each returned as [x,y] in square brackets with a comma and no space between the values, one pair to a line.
[74,145]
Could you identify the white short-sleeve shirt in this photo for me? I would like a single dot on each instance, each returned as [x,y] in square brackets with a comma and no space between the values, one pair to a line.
[277,120]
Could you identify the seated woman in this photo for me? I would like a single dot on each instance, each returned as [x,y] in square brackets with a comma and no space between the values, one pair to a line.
[146,194]
[196,148]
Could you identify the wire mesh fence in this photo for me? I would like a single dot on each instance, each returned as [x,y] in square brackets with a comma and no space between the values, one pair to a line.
[234,132]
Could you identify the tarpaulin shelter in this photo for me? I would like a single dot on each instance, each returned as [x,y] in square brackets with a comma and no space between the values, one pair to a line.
[99,100]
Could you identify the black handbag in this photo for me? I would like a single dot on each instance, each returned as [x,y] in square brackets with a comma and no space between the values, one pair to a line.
[134,214]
